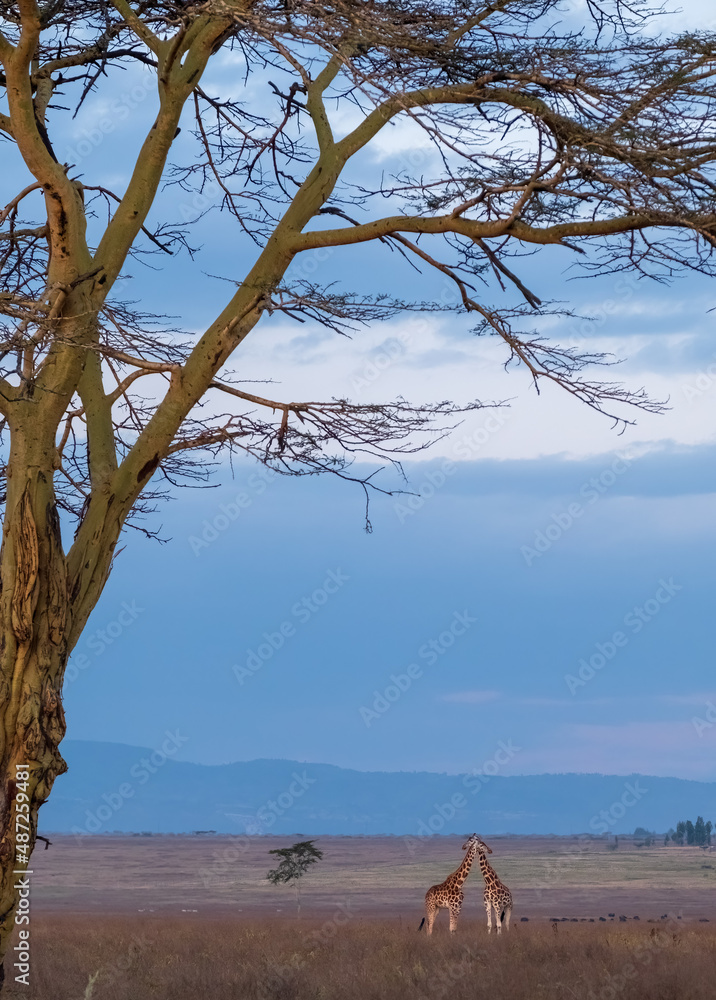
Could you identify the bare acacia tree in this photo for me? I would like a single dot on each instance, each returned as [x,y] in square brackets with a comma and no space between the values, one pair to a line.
[541,135]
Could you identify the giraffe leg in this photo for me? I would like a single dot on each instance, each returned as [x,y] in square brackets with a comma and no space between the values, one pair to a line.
[430,916]
[498,918]
[454,914]
[508,914]
[488,908]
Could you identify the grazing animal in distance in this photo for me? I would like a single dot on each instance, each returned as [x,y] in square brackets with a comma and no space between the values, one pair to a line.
[497,895]
[448,894]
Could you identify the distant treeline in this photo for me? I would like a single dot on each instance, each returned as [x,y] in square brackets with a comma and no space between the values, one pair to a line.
[696,834]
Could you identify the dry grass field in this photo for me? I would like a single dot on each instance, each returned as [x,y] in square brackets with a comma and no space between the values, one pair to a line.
[193,918]
[261,959]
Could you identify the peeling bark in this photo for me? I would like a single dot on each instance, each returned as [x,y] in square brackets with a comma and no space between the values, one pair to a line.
[34,609]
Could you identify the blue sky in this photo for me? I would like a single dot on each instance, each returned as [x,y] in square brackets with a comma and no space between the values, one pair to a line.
[534,537]
[207,601]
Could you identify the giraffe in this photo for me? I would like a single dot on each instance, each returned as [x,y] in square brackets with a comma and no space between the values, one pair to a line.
[449,894]
[497,895]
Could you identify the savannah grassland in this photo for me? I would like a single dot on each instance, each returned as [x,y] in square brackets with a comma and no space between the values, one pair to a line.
[192,918]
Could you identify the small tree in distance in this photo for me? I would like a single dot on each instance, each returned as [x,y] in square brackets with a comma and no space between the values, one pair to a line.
[699,831]
[295,862]
[645,835]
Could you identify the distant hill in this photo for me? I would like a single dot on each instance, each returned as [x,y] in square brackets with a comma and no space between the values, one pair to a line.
[111,786]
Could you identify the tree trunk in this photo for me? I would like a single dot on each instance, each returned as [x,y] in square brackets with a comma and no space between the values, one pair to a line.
[33,653]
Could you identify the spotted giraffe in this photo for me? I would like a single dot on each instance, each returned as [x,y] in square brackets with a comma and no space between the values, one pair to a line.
[449,894]
[497,896]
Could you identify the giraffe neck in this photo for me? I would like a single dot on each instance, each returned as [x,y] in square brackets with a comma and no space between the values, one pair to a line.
[488,873]
[464,870]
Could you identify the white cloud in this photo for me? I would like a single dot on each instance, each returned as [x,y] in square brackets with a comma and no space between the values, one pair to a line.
[424,359]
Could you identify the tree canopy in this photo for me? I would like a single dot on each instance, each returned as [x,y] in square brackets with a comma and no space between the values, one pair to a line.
[295,862]
[591,138]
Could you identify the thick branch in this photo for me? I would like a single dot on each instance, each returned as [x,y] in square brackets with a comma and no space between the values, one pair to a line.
[140,29]
[134,207]
[473,230]
[315,104]
[101,445]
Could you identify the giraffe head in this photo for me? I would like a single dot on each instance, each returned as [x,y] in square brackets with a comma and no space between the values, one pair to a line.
[480,845]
